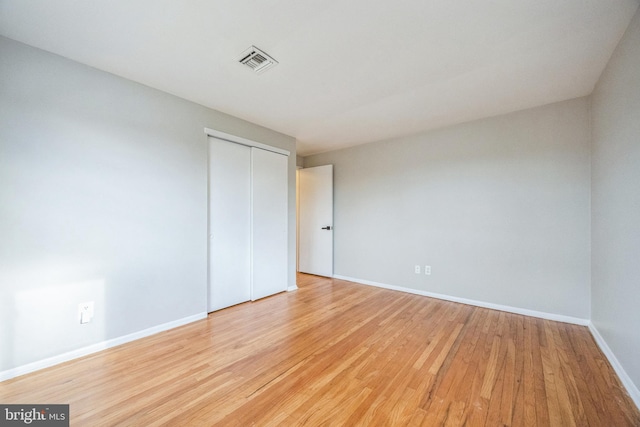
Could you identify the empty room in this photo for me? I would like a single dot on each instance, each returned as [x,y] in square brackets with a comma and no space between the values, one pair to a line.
[341,213]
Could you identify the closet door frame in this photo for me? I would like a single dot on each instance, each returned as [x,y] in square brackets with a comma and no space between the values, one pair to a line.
[244,141]
[251,144]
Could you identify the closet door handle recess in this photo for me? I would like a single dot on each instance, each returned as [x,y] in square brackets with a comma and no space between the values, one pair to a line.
[328,227]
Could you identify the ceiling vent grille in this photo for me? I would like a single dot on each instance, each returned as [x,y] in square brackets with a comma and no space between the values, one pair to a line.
[257,60]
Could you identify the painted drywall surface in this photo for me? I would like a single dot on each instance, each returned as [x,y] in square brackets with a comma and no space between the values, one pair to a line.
[103,197]
[616,203]
[499,208]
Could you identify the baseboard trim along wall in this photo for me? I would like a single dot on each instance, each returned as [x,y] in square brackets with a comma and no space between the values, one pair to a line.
[94,348]
[508,309]
[632,389]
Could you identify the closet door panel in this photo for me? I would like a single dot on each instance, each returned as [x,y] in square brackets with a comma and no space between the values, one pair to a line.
[269,219]
[229,224]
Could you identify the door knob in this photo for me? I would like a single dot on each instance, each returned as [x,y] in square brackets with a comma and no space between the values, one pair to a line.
[328,227]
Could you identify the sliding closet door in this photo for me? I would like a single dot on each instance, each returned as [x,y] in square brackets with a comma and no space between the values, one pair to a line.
[269,218]
[229,224]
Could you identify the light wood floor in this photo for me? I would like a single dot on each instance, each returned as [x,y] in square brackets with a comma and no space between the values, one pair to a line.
[338,353]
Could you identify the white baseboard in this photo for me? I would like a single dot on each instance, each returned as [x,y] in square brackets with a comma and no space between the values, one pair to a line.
[292,288]
[509,309]
[632,389]
[94,348]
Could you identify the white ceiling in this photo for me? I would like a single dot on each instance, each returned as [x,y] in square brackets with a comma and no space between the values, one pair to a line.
[351,71]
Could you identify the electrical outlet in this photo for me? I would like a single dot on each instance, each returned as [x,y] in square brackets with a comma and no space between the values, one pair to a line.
[417,269]
[427,270]
[85,311]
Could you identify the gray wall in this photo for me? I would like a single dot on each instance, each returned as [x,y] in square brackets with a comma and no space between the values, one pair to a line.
[499,208]
[103,196]
[615,203]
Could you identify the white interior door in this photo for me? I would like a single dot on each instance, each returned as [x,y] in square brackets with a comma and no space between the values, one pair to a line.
[269,218]
[229,224]
[315,207]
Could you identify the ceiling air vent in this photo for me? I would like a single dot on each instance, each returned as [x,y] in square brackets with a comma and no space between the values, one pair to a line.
[257,60]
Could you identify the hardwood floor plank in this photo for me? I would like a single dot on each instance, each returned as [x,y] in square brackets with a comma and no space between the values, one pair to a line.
[518,401]
[344,354]
[509,385]
[529,376]
[492,370]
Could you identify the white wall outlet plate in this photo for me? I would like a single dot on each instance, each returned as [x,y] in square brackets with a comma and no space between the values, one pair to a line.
[417,269]
[427,270]
[85,311]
